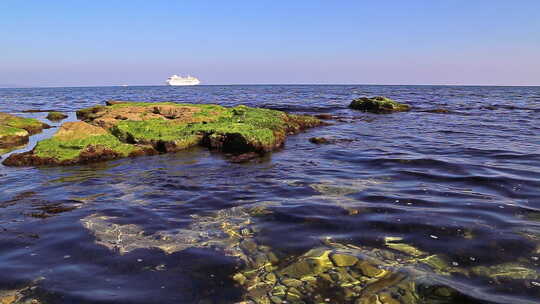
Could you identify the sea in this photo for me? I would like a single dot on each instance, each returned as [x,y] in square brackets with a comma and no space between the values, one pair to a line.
[460,187]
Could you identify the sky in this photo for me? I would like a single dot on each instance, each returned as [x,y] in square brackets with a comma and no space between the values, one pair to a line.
[113,42]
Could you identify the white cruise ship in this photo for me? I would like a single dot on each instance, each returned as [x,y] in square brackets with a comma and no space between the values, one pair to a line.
[176,80]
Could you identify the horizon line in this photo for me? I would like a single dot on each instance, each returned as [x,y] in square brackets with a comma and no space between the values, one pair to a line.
[268,84]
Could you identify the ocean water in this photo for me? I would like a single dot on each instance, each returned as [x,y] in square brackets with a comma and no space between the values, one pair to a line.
[463,186]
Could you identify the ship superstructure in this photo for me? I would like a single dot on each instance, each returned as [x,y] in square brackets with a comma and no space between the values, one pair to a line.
[176,80]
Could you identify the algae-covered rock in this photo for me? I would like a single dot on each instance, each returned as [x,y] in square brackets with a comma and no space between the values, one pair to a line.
[394,243]
[378,105]
[31,125]
[12,137]
[172,126]
[506,271]
[56,116]
[343,260]
[14,131]
[22,295]
[76,142]
[137,128]
[11,148]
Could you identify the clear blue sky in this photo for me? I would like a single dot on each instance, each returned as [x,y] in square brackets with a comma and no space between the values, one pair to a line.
[75,42]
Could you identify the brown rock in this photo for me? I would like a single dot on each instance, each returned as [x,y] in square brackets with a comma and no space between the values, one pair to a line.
[78,130]
[245,157]
[13,138]
[319,140]
[325,116]
[113,102]
[343,260]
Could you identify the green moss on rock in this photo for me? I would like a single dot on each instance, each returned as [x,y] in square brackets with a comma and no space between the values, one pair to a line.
[56,116]
[14,131]
[240,129]
[75,142]
[378,105]
[11,137]
[132,128]
[31,125]
[8,131]
[71,149]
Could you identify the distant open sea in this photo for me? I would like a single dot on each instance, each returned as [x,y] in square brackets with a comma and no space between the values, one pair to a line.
[462,186]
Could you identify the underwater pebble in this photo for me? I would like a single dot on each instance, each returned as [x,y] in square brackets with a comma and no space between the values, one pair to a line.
[433,236]
[139,260]
[534,258]
[472,258]
[67,256]
[455,263]
[535,283]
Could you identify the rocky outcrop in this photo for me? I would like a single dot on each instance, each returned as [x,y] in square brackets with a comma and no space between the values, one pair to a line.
[137,128]
[378,105]
[12,137]
[14,131]
[56,116]
[76,143]
[31,125]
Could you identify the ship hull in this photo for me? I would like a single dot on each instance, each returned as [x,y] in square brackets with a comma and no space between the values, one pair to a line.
[183,83]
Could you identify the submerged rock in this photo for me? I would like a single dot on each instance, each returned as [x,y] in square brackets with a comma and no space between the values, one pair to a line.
[437,111]
[14,131]
[506,271]
[325,140]
[56,116]
[331,272]
[337,273]
[242,158]
[319,140]
[326,116]
[394,243]
[137,128]
[223,229]
[378,105]
[22,295]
